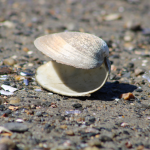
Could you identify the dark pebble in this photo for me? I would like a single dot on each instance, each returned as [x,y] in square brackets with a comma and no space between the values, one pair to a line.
[2,107]
[138,90]
[7,112]
[130,65]
[48,128]
[143,82]
[143,98]
[116,82]
[105,138]
[65,98]
[5,70]
[39,114]
[77,105]
[60,118]
[90,119]
[46,104]
[136,27]
[16,127]
[35,141]
[6,82]
[57,99]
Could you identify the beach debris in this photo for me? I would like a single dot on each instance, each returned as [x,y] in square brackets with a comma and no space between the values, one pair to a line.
[112,17]
[26,74]
[8,88]
[9,61]
[74,112]
[124,124]
[5,131]
[3,77]
[7,24]
[127,96]
[147,76]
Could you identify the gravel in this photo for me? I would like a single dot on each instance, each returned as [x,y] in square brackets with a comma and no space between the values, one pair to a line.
[42,120]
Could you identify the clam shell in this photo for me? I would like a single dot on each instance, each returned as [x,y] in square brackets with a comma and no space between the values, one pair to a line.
[80,50]
[71,81]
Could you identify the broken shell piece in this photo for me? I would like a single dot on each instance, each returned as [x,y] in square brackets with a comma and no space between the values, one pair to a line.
[81,63]
[8,88]
[127,96]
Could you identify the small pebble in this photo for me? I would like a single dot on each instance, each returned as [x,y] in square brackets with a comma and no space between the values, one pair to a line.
[26,74]
[70,132]
[7,24]
[139,90]
[75,112]
[94,142]
[39,114]
[128,36]
[127,96]
[9,61]
[92,130]
[5,70]
[111,17]
[25,49]
[139,71]
[134,26]
[3,77]
[7,112]
[124,124]
[77,105]
[105,138]
[90,119]
[26,82]
[63,126]
[128,144]
[6,142]
[38,90]
[1,100]
[14,100]
[16,127]
[147,76]
[2,107]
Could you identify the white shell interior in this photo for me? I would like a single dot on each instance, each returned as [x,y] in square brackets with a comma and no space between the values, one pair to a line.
[71,81]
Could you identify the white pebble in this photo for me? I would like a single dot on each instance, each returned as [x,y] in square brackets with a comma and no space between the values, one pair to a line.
[9,88]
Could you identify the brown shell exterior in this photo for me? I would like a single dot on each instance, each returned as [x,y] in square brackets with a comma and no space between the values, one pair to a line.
[80,50]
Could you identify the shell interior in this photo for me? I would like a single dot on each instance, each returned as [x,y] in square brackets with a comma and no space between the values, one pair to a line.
[71,81]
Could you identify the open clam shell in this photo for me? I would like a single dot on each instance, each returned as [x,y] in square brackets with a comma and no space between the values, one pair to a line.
[71,81]
[80,63]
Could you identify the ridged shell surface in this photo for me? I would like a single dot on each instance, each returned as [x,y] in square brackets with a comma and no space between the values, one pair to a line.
[80,50]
